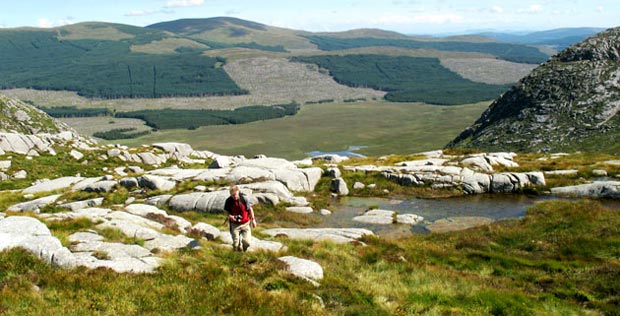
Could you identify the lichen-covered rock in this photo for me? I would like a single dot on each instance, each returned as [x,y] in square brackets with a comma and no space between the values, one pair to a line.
[52,185]
[337,235]
[175,148]
[101,186]
[386,217]
[204,230]
[34,205]
[303,268]
[300,209]
[199,201]
[602,189]
[74,206]
[339,186]
[156,183]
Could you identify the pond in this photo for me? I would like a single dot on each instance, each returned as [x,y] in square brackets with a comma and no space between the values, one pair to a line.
[493,206]
[350,152]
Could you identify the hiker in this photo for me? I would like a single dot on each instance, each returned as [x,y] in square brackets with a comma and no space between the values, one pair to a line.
[241,218]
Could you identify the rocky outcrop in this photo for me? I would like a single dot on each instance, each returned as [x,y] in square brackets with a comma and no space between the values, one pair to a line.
[386,217]
[300,209]
[19,117]
[303,268]
[337,235]
[208,202]
[468,181]
[34,205]
[52,185]
[88,249]
[30,234]
[570,102]
[603,189]
[339,186]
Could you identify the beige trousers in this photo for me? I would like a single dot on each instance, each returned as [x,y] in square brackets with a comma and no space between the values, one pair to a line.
[241,235]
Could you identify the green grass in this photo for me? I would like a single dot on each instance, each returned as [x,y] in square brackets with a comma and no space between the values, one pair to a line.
[386,128]
[560,259]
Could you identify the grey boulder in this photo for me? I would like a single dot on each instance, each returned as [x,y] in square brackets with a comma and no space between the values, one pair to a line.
[303,268]
[156,183]
[339,186]
[34,205]
[602,189]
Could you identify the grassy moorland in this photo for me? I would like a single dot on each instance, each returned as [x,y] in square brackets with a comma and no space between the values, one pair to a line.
[386,128]
[560,259]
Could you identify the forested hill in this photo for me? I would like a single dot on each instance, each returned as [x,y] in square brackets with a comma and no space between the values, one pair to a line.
[510,52]
[106,67]
[187,57]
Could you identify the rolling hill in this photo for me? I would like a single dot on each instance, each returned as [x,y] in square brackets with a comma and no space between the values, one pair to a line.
[187,58]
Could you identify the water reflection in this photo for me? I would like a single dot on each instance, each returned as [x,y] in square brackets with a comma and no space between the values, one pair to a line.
[350,152]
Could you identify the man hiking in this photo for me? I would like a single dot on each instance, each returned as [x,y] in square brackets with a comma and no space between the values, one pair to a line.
[241,218]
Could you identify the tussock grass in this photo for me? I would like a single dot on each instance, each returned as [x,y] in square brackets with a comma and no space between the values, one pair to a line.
[560,259]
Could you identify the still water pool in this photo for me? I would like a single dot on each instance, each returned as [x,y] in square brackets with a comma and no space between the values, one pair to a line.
[494,206]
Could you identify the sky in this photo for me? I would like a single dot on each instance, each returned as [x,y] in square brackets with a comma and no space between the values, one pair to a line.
[404,16]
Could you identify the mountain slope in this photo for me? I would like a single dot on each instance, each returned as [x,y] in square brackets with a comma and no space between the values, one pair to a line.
[235,31]
[569,103]
[17,116]
[96,60]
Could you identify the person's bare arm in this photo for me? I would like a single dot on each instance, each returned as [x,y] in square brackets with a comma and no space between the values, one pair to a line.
[252,218]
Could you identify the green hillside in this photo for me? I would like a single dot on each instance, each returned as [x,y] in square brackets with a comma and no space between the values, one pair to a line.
[195,26]
[510,52]
[188,58]
[235,31]
[106,68]
[406,79]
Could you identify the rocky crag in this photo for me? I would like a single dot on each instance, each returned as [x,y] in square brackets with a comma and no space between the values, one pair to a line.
[569,103]
[19,117]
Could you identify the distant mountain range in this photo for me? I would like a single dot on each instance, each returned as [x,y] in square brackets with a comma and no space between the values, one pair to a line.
[569,103]
[556,38]
[188,58]
[185,58]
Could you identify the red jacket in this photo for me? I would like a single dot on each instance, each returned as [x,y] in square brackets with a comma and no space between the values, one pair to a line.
[238,207]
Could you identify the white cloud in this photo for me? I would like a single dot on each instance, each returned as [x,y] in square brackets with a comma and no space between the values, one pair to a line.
[44,23]
[141,12]
[533,9]
[183,3]
[47,23]
[497,9]
[600,9]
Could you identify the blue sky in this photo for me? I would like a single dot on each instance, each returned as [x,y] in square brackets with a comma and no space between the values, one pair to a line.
[405,16]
